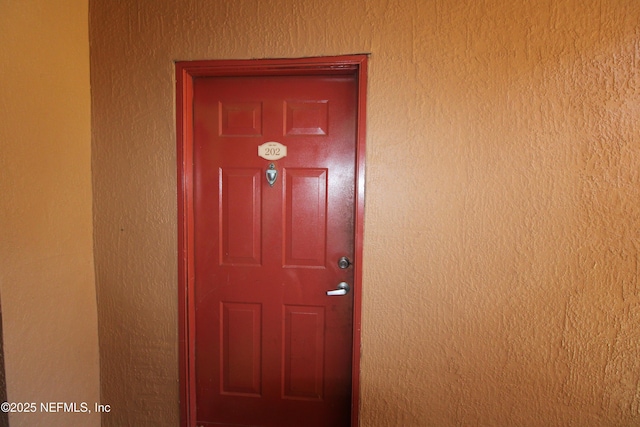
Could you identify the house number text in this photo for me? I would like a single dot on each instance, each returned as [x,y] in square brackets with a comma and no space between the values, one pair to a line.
[272,150]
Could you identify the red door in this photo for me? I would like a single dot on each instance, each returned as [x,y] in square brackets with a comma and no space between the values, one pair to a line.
[272,348]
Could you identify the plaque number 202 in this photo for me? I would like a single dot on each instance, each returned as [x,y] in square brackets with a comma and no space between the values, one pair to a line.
[272,150]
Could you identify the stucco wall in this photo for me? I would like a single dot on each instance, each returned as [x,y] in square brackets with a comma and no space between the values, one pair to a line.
[46,256]
[502,213]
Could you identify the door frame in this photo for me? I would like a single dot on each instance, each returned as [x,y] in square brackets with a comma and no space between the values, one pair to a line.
[186,72]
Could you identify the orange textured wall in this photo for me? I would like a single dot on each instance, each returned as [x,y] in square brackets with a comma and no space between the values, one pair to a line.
[46,235]
[501,278]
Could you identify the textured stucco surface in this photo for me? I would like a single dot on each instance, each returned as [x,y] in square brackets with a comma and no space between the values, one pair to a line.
[46,245]
[501,275]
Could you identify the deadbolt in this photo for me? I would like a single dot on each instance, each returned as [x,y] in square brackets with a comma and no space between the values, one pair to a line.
[344,262]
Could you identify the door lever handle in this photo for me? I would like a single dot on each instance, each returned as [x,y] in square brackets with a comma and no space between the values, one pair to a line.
[342,289]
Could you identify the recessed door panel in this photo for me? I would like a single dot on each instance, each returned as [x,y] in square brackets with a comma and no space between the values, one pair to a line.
[240,220]
[305,209]
[240,348]
[307,117]
[303,362]
[240,119]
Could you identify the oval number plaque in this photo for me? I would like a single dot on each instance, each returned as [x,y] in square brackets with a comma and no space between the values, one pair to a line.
[272,150]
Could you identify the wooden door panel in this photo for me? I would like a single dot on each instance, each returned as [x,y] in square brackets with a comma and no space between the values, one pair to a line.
[240,349]
[305,210]
[306,117]
[240,119]
[271,348]
[240,216]
[303,361]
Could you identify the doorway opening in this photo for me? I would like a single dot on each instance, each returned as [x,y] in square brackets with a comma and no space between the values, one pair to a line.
[271,157]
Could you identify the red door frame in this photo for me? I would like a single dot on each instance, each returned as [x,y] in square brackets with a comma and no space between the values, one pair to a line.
[186,72]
